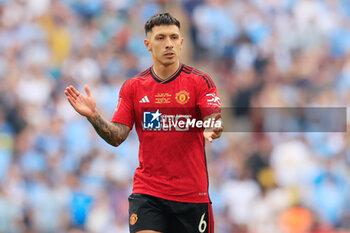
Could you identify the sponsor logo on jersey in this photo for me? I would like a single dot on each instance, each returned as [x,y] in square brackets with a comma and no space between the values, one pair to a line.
[133,219]
[182,97]
[213,100]
[144,99]
[156,121]
[162,98]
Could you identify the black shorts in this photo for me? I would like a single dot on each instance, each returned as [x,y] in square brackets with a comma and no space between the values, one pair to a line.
[152,213]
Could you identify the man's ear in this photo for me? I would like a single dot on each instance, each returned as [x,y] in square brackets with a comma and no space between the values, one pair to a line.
[147,44]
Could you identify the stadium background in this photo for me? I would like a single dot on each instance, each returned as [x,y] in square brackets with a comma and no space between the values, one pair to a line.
[57,175]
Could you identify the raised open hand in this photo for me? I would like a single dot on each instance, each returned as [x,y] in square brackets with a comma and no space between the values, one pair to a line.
[84,104]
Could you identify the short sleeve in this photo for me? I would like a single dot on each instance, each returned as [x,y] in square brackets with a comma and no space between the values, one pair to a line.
[124,112]
[208,99]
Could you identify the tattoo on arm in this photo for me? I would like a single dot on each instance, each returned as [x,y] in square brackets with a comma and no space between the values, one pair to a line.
[113,133]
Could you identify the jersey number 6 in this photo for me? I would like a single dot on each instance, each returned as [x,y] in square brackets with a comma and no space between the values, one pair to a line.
[202,224]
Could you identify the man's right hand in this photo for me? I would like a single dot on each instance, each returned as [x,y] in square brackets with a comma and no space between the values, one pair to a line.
[83,104]
[112,132]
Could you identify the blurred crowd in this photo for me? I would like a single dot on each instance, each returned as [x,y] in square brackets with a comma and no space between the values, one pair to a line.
[57,175]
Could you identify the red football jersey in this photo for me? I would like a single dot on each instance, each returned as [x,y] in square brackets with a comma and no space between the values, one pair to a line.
[172,161]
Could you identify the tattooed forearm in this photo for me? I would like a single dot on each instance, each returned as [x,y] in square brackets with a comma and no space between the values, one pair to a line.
[113,133]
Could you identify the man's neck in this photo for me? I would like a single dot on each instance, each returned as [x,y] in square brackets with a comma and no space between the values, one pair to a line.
[165,72]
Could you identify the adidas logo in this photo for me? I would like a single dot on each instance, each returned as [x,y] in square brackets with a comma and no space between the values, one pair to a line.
[144,99]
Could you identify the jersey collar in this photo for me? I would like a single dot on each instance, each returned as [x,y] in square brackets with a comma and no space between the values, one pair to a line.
[171,78]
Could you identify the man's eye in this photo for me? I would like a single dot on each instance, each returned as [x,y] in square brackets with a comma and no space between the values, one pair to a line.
[160,38]
[174,37]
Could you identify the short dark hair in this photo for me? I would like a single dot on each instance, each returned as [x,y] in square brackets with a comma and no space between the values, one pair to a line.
[161,19]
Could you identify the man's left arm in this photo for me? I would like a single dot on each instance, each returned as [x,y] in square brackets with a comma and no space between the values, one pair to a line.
[210,107]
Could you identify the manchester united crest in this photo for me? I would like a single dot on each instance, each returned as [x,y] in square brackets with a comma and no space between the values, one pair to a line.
[133,219]
[182,97]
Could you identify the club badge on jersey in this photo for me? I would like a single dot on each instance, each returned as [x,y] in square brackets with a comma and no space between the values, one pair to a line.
[182,97]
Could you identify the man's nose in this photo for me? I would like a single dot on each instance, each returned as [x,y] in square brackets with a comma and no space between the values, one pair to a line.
[169,44]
